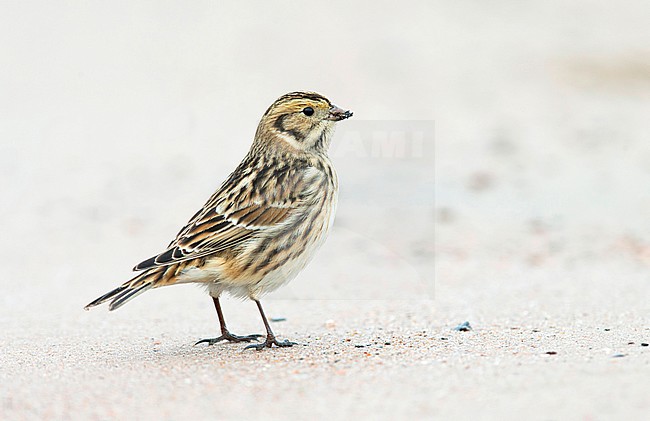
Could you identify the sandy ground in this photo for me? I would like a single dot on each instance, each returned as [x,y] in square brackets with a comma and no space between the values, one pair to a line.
[515,197]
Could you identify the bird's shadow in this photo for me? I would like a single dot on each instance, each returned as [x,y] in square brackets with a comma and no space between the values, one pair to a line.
[200,353]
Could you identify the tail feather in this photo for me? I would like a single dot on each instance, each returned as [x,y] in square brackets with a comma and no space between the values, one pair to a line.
[127,291]
[127,295]
[105,297]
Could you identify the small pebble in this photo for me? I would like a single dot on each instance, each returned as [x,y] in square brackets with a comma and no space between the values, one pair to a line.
[463,327]
[278,319]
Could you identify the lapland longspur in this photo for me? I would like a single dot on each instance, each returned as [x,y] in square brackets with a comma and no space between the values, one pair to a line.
[265,222]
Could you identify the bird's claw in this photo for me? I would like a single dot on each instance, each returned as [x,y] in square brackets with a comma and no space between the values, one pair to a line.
[227,336]
[269,342]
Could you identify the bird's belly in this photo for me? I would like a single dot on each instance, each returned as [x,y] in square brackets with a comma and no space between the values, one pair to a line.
[269,270]
[290,255]
[286,272]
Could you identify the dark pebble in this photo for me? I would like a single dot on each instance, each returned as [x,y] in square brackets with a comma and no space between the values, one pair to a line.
[463,327]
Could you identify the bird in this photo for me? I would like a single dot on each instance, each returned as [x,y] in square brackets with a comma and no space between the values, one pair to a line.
[264,223]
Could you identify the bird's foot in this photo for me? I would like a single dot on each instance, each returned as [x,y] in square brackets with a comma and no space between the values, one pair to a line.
[227,336]
[269,342]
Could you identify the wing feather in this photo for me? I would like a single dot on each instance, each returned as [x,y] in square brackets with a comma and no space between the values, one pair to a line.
[232,216]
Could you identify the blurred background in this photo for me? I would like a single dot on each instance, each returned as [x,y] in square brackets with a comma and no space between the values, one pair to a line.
[498,161]
[118,121]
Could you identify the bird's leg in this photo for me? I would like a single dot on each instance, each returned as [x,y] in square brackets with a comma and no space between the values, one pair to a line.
[270,337]
[225,334]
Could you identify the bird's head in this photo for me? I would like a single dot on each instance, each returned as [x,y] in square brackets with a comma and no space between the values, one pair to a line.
[302,121]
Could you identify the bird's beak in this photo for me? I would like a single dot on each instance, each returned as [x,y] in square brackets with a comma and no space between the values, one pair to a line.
[338,114]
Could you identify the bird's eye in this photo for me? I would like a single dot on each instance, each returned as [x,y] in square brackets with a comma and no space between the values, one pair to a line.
[308,111]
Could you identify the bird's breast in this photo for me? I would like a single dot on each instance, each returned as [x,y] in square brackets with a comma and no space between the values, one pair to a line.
[277,256]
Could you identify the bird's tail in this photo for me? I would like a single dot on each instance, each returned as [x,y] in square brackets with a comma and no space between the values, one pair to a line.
[129,290]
